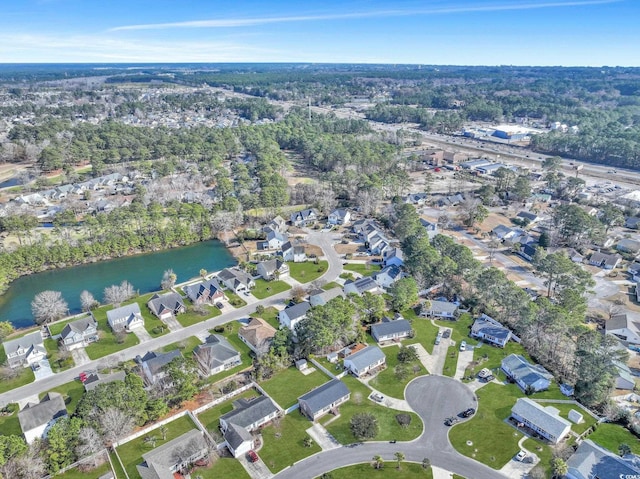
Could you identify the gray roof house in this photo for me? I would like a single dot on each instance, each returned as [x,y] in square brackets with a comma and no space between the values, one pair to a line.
[236,280]
[304,218]
[545,421]
[25,351]
[430,226]
[603,260]
[621,326]
[362,285]
[36,419]
[439,309]
[391,330]
[249,415]
[79,333]
[152,364]
[175,456]
[393,257]
[208,291]
[632,222]
[292,315]
[275,240]
[339,217]
[503,232]
[490,331]
[166,305]
[272,269]
[592,461]
[293,252]
[628,246]
[320,297]
[525,374]
[125,318]
[96,379]
[388,276]
[325,398]
[364,361]
[216,355]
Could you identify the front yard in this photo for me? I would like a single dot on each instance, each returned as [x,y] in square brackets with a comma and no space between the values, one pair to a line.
[191,317]
[451,361]
[20,376]
[108,343]
[186,346]
[270,315]
[264,289]
[223,467]
[365,269]
[391,381]
[283,442]
[58,359]
[72,392]
[9,423]
[307,272]
[285,387]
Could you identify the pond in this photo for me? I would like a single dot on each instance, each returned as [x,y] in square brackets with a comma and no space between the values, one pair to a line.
[143,271]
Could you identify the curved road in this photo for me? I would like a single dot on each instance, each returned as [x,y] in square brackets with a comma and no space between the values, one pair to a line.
[433,398]
[324,240]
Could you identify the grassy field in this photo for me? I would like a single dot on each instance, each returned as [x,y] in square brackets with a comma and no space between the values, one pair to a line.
[490,357]
[117,468]
[85,474]
[307,272]
[285,387]
[270,315]
[610,436]
[235,300]
[59,360]
[331,285]
[264,289]
[223,467]
[543,451]
[284,442]
[23,376]
[186,346]
[493,441]
[408,470]
[131,452]
[564,409]
[365,269]
[107,344]
[425,331]
[192,317]
[209,418]
[387,382]
[388,425]
[10,425]
[71,392]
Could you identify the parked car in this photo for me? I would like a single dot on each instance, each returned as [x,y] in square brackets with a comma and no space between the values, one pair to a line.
[219,305]
[437,341]
[521,455]
[450,421]
[377,397]
[468,412]
[252,456]
[463,346]
[446,334]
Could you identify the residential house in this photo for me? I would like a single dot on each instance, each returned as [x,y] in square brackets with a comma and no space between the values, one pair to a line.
[439,309]
[167,305]
[574,255]
[303,218]
[416,199]
[451,200]
[323,399]
[216,355]
[152,365]
[634,270]
[528,216]
[293,252]
[258,335]
[603,260]
[362,285]
[378,244]
[272,269]
[277,224]
[320,297]
[632,222]
[359,226]
[247,416]
[388,276]
[490,331]
[292,315]
[340,217]
[623,328]
[393,257]
[391,330]
[545,421]
[25,351]
[236,280]
[591,461]
[365,361]
[528,251]
[125,318]
[430,226]
[36,419]
[94,380]
[174,458]
[628,246]
[529,377]
[624,378]
[208,291]
[79,333]
[503,232]
[274,240]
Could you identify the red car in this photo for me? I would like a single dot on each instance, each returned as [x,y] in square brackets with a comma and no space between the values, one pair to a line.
[252,456]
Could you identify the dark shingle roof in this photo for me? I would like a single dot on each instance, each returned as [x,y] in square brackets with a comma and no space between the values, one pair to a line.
[215,351]
[297,310]
[156,361]
[391,327]
[250,412]
[35,415]
[25,342]
[168,301]
[325,395]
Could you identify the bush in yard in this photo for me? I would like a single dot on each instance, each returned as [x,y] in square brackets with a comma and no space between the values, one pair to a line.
[403,419]
[407,354]
[219,329]
[364,425]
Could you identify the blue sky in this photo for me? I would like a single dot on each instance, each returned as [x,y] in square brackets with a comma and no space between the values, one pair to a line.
[457,32]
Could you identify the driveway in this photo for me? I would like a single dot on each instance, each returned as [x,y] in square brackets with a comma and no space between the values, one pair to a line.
[80,356]
[44,371]
[172,323]
[433,398]
[142,334]
[464,359]
[322,437]
[257,470]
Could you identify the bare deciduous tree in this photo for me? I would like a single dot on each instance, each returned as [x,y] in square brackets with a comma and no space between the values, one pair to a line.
[115,424]
[87,301]
[168,279]
[48,306]
[89,443]
[118,293]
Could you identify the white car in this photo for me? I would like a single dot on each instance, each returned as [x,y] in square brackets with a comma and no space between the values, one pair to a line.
[520,456]
[463,346]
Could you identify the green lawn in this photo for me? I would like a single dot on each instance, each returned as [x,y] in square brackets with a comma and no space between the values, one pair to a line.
[72,392]
[223,467]
[283,442]
[388,425]
[387,382]
[543,451]
[331,285]
[425,331]
[270,315]
[209,418]
[231,334]
[10,425]
[264,289]
[192,317]
[131,452]
[610,436]
[493,441]
[85,474]
[117,468]
[307,272]
[235,300]
[459,328]
[23,376]
[107,344]
[409,470]
[57,328]
[564,409]
[365,269]
[186,346]
[285,387]
[490,357]
[59,360]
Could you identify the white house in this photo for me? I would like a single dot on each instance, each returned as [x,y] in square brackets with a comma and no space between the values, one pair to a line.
[391,330]
[25,351]
[526,375]
[216,355]
[292,315]
[320,297]
[430,226]
[36,419]
[393,257]
[293,252]
[362,285]
[623,328]
[323,399]
[603,260]
[258,335]
[125,318]
[490,331]
[439,309]
[388,276]
[593,461]
[339,217]
[365,361]
[247,416]
[236,280]
[545,421]
[304,218]
[272,269]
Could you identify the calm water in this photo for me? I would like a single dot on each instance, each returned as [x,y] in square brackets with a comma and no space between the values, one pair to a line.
[144,272]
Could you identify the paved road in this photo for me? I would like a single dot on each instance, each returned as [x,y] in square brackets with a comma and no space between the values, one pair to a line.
[324,240]
[433,398]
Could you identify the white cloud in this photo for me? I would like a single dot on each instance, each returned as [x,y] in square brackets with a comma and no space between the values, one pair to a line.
[249,22]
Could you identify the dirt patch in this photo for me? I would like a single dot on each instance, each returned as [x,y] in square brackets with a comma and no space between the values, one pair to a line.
[313,250]
[348,248]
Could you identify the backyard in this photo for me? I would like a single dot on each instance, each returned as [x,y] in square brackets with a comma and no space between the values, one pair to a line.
[76,473]
[210,417]
[392,382]
[285,387]
[610,436]
[9,423]
[21,376]
[308,271]
[264,289]
[365,269]
[193,317]
[222,467]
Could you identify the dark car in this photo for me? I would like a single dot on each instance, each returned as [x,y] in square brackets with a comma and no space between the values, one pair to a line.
[252,456]
[447,333]
[450,421]
[468,412]
[219,305]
